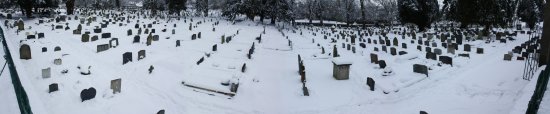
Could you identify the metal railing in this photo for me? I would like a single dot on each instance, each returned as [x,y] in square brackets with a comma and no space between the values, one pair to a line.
[22,99]
[542,83]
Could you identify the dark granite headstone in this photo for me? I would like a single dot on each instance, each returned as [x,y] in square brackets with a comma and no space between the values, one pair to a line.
[370,83]
[87,94]
[422,69]
[382,64]
[25,52]
[446,60]
[53,87]
[126,57]
[141,54]
[374,58]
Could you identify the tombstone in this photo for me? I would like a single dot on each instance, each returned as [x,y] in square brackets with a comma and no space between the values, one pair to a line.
[467,47]
[370,83]
[149,40]
[153,31]
[423,112]
[450,49]
[384,48]
[422,69]
[395,42]
[374,58]
[393,51]
[115,85]
[102,47]
[53,87]
[97,30]
[382,64]
[446,60]
[136,39]
[94,38]
[77,32]
[438,51]
[479,51]
[20,25]
[155,37]
[200,61]
[25,52]
[402,52]
[419,48]
[85,38]
[113,43]
[507,57]
[340,69]
[40,35]
[215,47]
[376,49]
[141,54]
[46,73]
[464,55]
[87,94]
[129,32]
[194,36]
[199,35]
[126,57]
[432,56]
[177,43]
[44,49]
[404,45]
[234,87]
[160,112]
[57,61]
[31,37]
[106,35]
[428,49]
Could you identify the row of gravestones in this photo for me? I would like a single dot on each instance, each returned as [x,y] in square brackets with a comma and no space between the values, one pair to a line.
[90,93]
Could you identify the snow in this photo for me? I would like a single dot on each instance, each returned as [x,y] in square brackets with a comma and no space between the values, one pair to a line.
[7,93]
[483,83]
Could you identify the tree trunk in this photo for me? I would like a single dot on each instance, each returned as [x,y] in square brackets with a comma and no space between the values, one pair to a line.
[545,40]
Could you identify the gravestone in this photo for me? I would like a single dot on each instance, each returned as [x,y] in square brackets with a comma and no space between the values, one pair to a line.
[422,69]
[40,35]
[85,38]
[102,47]
[149,40]
[404,45]
[432,56]
[374,58]
[382,64]
[46,73]
[87,94]
[370,83]
[115,85]
[393,51]
[507,57]
[113,43]
[97,30]
[106,35]
[136,39]
[25,52]
[419,48]
[57,48]
[57,61]
[450,49]
[129,32]
[200,61]
[467,47]
[31,37]
[141,54]
[479,51]
[53,87]
[340,69]
[126,57]
[215,47]
[446,60]
[155,37]
[177,43]
[199,35]
[402,52]
[438,51]
[428,49]
[44,49]
[94,38]
[395,42]
[384,48]
[194,36]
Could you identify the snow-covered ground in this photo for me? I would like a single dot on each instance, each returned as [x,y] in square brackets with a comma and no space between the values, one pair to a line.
[480,84]
[7,94]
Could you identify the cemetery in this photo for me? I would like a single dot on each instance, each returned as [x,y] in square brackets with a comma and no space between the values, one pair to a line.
[132,61]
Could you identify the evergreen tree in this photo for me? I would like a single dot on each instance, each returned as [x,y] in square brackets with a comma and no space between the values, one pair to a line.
[420,12]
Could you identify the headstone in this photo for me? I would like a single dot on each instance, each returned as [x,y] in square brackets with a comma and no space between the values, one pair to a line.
[384,48]
[53,87]
[479,51]
[438,51]
[370,83]
[31,37]
[113,43]
[25,52]
[149,40]
[57,61]
[467,47]
[446,60]
[432,56]
[136,39]
[507,57]
[194,36]
[115,85]
[44,49]
[141,54]
[85,38]
[395,42]
[215,47]
[177,43]
[155,37]
[94,38]
[46,73]
[126,57]
[450,49]
[402,52]
[393,51]
[106,35]
[57,48]
[129,32]
[40,35]
[382,64]
[97,30]
[404,45]
[102,47]
[422,69]
[374,58]
[87,94]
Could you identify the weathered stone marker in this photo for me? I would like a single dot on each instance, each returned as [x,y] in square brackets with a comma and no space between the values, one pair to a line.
[446,60]
[126,57]
[382,64]
[422,69]
[115,85]
[341,68]
[370,83]
[141,54]
[102,47]
[46,73]
[87,94]
[52,88]
[25,52]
